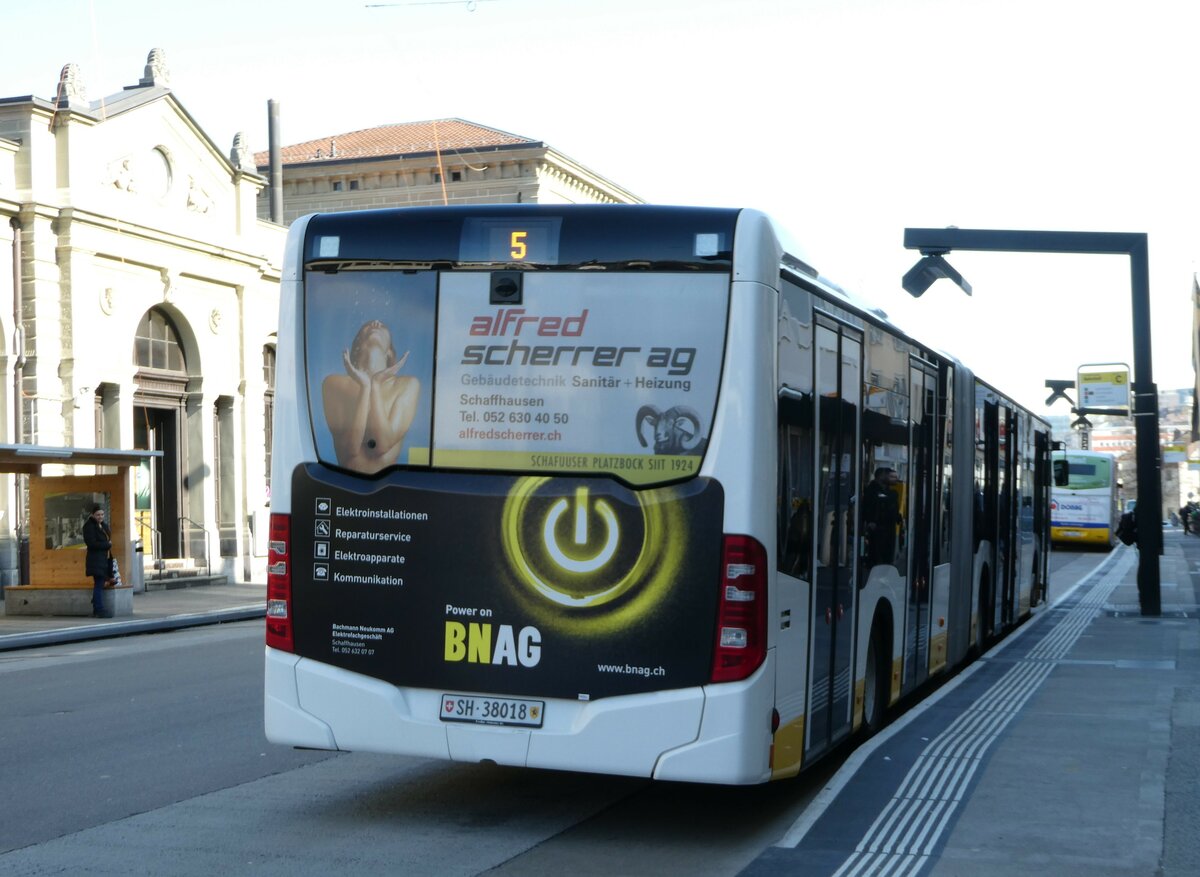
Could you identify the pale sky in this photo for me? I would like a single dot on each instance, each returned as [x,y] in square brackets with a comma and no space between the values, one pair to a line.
[846,120]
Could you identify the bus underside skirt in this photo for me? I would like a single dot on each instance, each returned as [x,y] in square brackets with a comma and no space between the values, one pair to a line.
[735,735]
[369,715]
[1082,534]
[618,735]
[285,721]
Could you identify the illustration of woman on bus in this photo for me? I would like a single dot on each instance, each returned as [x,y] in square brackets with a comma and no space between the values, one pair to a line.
[370,408]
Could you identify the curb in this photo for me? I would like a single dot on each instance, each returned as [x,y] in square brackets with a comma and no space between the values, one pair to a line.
[128,628]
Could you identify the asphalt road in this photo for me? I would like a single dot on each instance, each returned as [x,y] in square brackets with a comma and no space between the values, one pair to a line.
[145,755]
[98,731]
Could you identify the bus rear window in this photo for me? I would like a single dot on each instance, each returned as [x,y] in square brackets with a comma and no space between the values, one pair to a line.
[607,373]
[1088,473]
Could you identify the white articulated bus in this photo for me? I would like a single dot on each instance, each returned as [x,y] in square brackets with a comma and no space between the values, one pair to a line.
[592,488]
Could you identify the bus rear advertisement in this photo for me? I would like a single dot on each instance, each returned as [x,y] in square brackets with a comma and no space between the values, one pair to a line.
[563,579]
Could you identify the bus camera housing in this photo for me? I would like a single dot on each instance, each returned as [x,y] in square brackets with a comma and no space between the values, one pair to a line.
[506,287]
[932,267]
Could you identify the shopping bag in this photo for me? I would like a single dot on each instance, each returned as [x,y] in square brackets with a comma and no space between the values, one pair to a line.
[114,574]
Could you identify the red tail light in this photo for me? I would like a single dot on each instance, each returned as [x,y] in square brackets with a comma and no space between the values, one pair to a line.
[279,584]
[742,611]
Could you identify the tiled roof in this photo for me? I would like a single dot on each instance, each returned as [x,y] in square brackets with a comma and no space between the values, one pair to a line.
[403,139]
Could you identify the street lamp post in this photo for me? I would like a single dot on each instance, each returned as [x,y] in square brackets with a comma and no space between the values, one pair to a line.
[935,243]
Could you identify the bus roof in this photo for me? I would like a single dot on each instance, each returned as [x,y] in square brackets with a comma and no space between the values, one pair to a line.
[558,236]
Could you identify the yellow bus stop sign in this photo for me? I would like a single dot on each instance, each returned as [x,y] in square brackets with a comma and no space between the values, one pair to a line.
[1108,389]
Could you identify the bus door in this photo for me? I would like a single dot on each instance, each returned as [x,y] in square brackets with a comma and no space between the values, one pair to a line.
[989,586]
[922,448]
[838,385]
[1010,488]
[1041,504]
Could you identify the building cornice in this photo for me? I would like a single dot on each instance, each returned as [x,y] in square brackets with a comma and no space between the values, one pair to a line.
[157,236]
[545,160]
[298,167]
[586,177]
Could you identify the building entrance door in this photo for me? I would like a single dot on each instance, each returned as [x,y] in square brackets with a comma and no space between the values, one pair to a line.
[160,424]
[159,483]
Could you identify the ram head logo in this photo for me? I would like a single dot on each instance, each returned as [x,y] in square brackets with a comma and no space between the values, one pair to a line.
[676,430]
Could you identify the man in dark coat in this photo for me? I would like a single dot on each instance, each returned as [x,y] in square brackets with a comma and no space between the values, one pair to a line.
[881,516]
[98,538]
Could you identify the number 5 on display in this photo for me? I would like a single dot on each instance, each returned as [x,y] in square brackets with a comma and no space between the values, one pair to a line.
[519,248]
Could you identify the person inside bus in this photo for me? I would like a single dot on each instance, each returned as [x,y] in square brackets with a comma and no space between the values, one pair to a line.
[370,408]
[881,516]
[798,540]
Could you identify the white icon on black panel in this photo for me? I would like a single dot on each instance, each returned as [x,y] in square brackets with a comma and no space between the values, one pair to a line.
[324,506]
[321,528]
[320,572]
[320,549]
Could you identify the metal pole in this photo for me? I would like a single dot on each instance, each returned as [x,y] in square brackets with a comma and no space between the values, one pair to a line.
[1145,417]
[275,157]
[18,330]
[19,511]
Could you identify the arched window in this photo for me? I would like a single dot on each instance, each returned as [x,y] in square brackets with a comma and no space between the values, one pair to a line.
[157,343]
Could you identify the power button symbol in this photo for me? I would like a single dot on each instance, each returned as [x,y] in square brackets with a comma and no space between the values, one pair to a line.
[580,538]
[581,544]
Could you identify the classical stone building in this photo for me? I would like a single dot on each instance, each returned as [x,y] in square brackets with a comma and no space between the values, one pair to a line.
[447,161]
[140,311]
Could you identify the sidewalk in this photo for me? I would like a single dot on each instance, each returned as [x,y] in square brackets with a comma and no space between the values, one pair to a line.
[153,611]
[1073,748]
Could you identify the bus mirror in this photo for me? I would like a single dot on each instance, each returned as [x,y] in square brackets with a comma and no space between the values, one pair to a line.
[1061,473]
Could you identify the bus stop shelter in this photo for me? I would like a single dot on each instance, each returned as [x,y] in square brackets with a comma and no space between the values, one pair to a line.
[52,562]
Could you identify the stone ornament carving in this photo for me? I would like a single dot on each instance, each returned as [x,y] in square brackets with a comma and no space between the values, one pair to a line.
[240,155]
[107,303]
[214,321]
[120,174]
[156,72]
[71,91]
[198,200]
[168,285]
[148,172]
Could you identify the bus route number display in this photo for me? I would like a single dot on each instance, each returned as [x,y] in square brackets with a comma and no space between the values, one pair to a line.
[498,240]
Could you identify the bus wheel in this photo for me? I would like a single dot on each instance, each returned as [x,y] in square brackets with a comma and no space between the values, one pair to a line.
[876,687]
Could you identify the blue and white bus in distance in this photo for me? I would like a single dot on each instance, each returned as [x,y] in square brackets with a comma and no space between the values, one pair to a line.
[1085,503]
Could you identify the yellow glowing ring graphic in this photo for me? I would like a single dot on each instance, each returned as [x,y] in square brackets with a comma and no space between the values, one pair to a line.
[569,563]
[642,581]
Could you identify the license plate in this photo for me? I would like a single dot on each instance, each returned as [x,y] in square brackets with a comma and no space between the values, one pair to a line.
[492,710]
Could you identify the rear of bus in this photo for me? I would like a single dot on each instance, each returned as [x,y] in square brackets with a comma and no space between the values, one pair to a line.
[1084,510]
[510,517]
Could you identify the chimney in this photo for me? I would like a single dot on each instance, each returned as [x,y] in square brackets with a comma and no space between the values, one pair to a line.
[275,172]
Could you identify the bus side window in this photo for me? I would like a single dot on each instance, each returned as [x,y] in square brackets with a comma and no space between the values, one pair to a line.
[795,488]
[1061,473]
